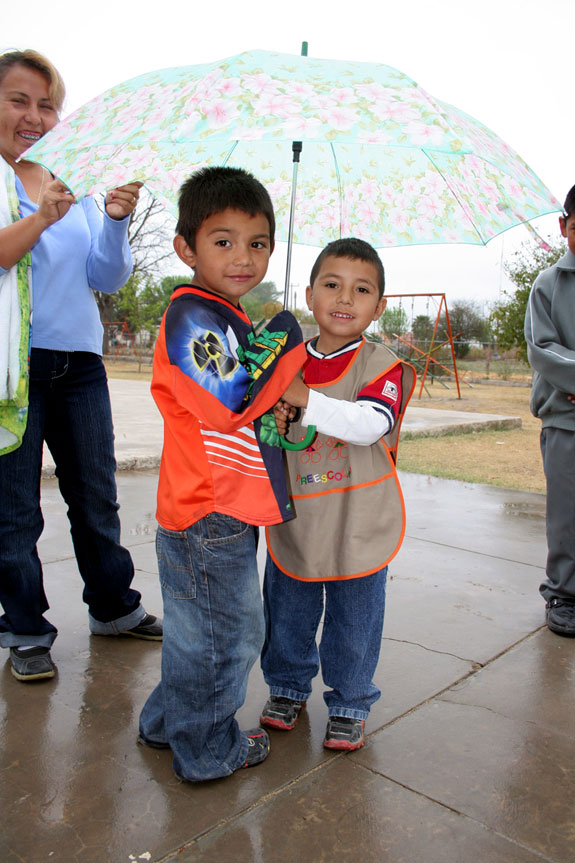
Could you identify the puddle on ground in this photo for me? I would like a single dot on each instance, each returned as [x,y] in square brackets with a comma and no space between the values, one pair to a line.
[525,510]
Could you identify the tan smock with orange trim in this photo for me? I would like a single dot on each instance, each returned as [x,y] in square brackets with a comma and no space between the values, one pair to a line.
[350,513]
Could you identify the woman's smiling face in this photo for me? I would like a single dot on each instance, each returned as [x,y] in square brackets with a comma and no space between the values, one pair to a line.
[26,110]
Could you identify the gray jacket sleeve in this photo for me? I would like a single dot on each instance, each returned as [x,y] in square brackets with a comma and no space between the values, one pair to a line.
[550,332]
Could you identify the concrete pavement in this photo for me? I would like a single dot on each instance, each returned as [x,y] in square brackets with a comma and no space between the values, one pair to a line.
[139,431]
[470,750]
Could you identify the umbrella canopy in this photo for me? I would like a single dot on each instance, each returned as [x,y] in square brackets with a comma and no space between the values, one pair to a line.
[382,159]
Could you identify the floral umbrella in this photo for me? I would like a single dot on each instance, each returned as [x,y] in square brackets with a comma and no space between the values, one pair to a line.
[382,159]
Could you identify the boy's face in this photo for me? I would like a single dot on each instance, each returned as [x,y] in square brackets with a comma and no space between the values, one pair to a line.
[344,300]
[232,253]
[568,231]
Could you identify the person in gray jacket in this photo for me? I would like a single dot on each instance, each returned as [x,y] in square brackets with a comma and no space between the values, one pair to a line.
[550,336]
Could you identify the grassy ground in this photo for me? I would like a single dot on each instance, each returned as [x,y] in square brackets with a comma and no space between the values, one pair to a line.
[510,459]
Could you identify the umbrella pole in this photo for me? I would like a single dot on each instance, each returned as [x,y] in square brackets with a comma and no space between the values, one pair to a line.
[296,149]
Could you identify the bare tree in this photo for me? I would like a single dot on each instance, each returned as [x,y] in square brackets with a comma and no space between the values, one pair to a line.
[150,234]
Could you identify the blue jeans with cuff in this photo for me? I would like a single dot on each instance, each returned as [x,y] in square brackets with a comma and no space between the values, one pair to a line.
[349,645]
[69,408]
[213,633]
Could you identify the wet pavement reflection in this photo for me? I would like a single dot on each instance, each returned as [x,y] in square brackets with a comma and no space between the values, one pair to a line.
[470,750]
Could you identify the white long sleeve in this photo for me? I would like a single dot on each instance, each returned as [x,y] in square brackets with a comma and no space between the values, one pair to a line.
[359,423]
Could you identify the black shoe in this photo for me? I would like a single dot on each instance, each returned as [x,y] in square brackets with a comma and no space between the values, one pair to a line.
[344,733]
[561,616]
[281,713]
[258,747]
[150,628]
[31,663]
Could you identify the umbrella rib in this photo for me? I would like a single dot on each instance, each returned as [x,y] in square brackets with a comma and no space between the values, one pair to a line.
[339,189]
[455,195]
[227,159]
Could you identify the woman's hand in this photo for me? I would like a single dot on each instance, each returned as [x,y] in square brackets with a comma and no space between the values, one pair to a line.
[55,201]
[121,202]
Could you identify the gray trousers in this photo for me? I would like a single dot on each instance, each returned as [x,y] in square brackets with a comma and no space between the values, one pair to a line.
[558,451]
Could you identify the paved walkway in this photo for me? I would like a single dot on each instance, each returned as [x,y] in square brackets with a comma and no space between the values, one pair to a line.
[139,431]
[470,750]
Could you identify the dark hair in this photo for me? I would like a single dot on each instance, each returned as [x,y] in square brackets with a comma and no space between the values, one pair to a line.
[569,205]
[34,60]
[356,250]
[213,190]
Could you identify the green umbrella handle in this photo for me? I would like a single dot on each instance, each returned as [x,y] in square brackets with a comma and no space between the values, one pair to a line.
[302,444]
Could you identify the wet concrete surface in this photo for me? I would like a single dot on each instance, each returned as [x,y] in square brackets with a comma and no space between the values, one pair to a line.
[470,751]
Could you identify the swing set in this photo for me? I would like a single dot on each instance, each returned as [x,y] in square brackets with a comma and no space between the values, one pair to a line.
[426,361]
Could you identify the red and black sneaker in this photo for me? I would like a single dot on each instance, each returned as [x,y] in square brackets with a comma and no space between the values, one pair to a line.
[258,747]
[281,713]
[344,733]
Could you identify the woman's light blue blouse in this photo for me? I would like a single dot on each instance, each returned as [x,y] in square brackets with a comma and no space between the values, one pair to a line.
[81,253]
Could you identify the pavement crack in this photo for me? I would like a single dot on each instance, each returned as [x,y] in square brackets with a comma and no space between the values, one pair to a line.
[474,663]
[481,553]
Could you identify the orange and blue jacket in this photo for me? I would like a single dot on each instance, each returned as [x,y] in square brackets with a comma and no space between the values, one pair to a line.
[214,380]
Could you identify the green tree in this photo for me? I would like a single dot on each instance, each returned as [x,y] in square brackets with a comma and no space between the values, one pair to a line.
[508,315]
[149,235]
[422,328]
[394,321]
[467,325]
[262,302]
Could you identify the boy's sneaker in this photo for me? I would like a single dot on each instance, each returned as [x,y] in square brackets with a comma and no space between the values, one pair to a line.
[31,663]
[561,616]
[344,733]
[281,713]
[258,747]
[150,629]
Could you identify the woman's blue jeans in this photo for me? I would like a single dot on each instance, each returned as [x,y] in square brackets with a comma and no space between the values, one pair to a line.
[213,634]
[70,410]
[350,641]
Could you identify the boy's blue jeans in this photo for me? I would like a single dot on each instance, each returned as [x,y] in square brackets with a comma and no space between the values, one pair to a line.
[350,641]
[213,633]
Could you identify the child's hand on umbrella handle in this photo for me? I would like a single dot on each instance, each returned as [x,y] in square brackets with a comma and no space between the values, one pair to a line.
[297,394]
[121,202]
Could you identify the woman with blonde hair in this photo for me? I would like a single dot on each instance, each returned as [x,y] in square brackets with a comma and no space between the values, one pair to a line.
[54,253]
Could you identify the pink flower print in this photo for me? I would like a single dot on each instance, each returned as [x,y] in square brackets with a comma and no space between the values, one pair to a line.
[248,133]
[374,136]
[299,90]
[274,105]
[431,206]
[302,127]
[398,218]
[368,212]
[425,133]
[368,189]
[340,118]
[375,92]
[411,186]
[189,126]
[322,101]
[421,228]
[219,113]
[260,84]
[433,182]
[344,95]
[230,87]
[396,112]
[278,189]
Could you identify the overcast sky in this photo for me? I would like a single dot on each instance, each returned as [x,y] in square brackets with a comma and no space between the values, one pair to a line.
[506,62]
